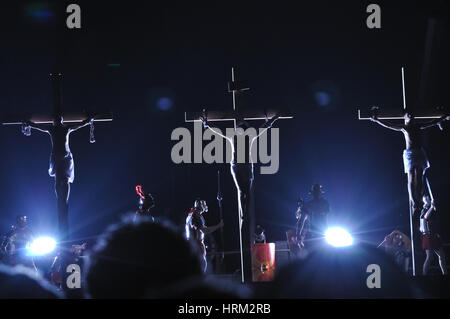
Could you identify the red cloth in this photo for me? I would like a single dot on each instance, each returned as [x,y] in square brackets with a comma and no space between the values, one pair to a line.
[431,242]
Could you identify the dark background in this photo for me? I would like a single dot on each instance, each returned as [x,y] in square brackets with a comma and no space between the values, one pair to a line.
[317,58]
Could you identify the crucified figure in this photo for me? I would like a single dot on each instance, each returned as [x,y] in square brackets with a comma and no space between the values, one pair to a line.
[61,162]
[242,173]
[414,157]
[243,177]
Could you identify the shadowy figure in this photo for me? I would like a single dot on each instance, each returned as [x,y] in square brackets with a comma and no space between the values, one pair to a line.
[145,204]
[205,288]
[342,272]
[196,228]
[398,246]
[14,244]
[61,163]
[135,259]
[297,238]
[23,283]
[414,157]
[317,209]
[431,241]
[58,269]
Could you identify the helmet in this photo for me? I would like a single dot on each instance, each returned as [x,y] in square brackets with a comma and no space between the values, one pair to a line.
[316,189]
[201,204]
[21,220]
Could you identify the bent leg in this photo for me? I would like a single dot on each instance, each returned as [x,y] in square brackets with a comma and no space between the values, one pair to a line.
[411,187]
[415,189]
[428,260]
[442,260]
[420,191]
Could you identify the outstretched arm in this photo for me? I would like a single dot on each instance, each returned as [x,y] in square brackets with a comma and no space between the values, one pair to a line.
[434,122]
[386,124]
[267,125]
[263,128]
[38,127]
[75,127]
[211,229]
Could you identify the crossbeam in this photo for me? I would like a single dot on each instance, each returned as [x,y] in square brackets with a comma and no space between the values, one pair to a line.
[398,114]
[246,115]
[237,87]
[72,118]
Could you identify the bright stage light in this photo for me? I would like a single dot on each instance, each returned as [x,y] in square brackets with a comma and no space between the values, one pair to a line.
[338,237]
[41,246]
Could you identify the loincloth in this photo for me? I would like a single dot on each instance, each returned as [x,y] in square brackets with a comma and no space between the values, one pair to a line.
[62,165]
[415,158]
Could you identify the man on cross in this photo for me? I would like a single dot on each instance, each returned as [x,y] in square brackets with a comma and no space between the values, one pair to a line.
[61,160]
[243,176]
[414,157]
[242,173]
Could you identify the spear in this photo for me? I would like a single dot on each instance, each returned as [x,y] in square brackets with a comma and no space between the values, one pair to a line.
[219,200]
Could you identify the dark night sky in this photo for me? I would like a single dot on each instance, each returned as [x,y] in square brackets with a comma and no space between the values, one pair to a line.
[185,51]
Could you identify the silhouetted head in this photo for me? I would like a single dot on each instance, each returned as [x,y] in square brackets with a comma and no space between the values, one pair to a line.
[397,239]
[358,271]
[136,258]
[241,126]
[23,283]
[58,120]
[408,117]
[200,204]
[204,288]
[316,190]
[21,221]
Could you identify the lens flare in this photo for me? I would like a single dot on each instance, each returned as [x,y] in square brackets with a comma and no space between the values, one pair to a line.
[338,237]
[41,246]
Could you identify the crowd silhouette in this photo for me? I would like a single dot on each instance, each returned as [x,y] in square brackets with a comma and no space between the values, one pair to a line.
[139,258]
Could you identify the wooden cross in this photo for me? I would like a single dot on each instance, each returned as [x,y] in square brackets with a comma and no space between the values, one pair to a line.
[238,87]
[398,114]
[72,117]
[68,118]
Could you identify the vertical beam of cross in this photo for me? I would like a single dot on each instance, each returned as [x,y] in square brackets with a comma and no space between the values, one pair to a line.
[57,94]
[411,220]
[403,88]
[238,87]
[246,218]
